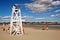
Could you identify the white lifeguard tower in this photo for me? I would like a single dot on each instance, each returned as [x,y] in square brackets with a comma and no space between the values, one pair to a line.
[16,22]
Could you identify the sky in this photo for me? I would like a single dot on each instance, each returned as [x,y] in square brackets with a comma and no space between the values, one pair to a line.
[32,10]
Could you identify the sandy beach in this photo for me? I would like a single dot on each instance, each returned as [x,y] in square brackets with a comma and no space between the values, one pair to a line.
[32,33]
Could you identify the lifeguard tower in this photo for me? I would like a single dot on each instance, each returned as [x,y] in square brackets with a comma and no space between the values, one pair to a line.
[16,22]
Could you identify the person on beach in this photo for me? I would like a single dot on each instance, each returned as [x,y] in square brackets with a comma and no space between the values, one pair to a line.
[45,27]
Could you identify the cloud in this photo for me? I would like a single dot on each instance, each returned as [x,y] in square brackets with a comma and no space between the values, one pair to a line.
[55,3]
[55,15]
[38,7]
[0,16]
[26,17]
[52,15]
[6,17]
[51,19]
[23,20]
[44,1]
[41,18]
[42,5]
[57,11]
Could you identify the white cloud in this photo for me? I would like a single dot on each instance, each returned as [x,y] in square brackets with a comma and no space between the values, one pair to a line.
[57,11]
[38,7]
[42,5]
[26,17]
[46,19]
[52,15]
[0,16]
[44,1]
[41,18]
[57,14]
[6,17]
[55,3]
[23,20]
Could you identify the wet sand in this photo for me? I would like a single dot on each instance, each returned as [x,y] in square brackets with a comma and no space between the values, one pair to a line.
[32,33]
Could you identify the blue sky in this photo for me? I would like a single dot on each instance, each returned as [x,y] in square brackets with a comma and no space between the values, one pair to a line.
[32,10]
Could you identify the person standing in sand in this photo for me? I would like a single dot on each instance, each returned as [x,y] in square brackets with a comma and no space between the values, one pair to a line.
[45,27]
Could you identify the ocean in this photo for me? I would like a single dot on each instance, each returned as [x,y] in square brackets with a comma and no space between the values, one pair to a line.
[36,25]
